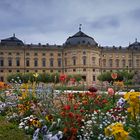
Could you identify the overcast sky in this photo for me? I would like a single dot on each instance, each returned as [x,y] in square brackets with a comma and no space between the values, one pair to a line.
[109,22]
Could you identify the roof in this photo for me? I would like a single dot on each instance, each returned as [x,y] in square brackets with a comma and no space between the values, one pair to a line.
[135,45]
[12,41]
[80,38]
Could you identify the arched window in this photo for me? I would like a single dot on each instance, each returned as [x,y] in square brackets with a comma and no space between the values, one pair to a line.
[43,62]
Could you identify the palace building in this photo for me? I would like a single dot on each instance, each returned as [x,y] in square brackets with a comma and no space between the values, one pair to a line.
[80,54]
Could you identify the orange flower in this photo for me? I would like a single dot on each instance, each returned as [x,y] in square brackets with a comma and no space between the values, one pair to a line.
[114,75]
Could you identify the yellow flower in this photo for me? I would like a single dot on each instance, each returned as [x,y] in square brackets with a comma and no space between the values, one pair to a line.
[35,75]
[49,118]
[116,130]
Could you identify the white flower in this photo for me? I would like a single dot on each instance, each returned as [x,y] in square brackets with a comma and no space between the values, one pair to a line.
[20,127]
[22,124]
[26,127]
[89,122]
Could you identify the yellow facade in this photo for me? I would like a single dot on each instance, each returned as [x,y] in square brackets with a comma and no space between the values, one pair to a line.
[79,55]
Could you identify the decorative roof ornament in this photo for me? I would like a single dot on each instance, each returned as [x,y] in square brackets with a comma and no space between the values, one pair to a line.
[14,35]
[80,25]
[135,39]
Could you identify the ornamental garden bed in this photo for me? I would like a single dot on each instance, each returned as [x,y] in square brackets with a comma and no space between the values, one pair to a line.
[91,115]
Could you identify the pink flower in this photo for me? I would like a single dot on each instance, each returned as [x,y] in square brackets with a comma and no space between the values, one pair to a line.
[111,91]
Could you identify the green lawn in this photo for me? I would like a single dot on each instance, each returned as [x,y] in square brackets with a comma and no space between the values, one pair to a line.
[9,131]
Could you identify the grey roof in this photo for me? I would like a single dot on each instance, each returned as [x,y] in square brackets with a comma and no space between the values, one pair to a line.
[80,38]
[12,41]
[135,45]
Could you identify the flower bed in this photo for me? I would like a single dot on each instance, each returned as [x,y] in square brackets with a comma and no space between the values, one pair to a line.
[68,116]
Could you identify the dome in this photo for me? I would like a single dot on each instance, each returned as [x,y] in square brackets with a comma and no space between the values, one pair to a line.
[12,41]
[80,38]
[136,44]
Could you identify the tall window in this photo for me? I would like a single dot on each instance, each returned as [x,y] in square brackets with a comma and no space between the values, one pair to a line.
[93,60]
[104,62]
[74,60]
[18,62]
[137,62]
[27,62]
[1,62]
[117,62]
[130,63]
[9,62]
[110,62]
[84,60]
[123,63]
[59,62]
[65,61]
[43,62]
[51,62]
[35,62]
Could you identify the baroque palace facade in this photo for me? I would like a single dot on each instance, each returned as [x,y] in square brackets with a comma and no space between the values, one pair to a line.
[80,54]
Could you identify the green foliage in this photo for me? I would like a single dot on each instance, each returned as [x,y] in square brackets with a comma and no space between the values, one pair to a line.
[122,76]
[10,131]
[42,77]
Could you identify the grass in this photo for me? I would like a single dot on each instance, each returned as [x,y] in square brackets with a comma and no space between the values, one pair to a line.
[10,131]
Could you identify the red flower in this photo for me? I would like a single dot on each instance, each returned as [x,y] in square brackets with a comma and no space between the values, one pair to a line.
[71,115]
[75,106]
[62,77]
[114,75]
[111,91]
[72,80]
[92,89]
[67,107]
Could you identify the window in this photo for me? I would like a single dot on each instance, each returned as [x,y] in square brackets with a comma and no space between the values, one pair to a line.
[35,62]
[43,71]
[51,62]
[2,79]
[117,62]
[123,63]
[17,53]
[84,60]
[65,54]
[59,54]
[94,78]
[65,70]
[59,62]
[1,53]
[1,62]
[9,53]
[110,63]
[18,70]
[43,62]
[10,62]
[84,52]
[1,70]
[93,60]
[137,62]
[84,78]
[36,70]
[84,69]
[27,54]
[130,63]
[51,70]
[43,54]
[93,70]
[10,71]
[65,61]
[27,62]
[35,54]
[17,62]
[74,70]
[74,60]
[104,62]
[27,70]
[51,54]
